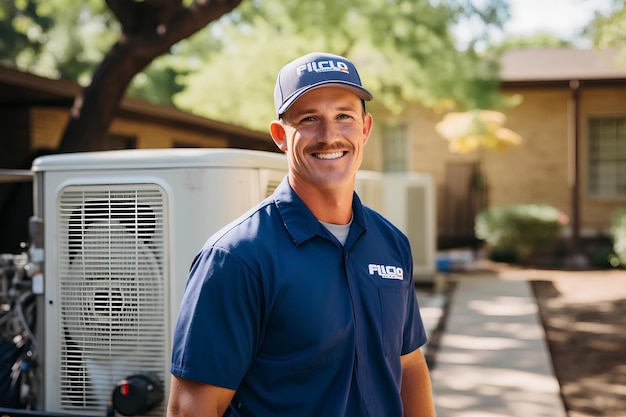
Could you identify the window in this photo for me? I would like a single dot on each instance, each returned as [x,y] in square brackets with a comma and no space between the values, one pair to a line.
[607,157]
[395,148]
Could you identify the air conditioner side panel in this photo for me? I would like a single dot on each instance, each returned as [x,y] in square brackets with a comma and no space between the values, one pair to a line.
[410,205]
[421,224]
[370,188]
[204,202]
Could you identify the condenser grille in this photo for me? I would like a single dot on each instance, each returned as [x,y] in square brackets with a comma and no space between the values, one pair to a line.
[271,186]
[111,291]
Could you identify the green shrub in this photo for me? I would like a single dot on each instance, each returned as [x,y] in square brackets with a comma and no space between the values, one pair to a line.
[618,234]
[521,229]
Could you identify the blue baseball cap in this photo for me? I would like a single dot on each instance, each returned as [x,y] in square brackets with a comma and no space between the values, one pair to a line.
[312,71]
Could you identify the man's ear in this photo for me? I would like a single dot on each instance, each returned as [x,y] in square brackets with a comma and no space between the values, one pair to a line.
[277,130]
[368,122]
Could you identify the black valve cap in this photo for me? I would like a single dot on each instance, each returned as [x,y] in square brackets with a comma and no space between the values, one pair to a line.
[137,394]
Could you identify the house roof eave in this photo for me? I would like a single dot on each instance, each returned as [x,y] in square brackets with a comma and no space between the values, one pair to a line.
[18,88]
[562,83]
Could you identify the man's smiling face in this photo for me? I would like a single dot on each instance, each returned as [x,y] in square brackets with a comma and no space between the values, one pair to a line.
[324,133]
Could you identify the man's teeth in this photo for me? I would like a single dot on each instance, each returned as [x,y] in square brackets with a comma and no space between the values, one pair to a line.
[333,155]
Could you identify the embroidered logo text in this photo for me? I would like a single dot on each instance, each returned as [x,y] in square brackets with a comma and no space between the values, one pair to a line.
[323,66]
[386,271]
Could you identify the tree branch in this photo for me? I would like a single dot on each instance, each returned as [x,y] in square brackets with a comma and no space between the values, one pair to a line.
[123,11]
[149,29]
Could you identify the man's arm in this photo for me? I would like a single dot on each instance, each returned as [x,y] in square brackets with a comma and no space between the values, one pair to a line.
[195,399]
[416,390]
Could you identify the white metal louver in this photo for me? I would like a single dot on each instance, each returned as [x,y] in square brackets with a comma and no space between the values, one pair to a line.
[111,290]
[271,186]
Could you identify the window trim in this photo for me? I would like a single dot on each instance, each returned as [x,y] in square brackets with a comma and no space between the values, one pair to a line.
[396,131]
[596,193]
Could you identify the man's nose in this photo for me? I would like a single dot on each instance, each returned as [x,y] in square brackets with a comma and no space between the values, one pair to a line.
[328,131]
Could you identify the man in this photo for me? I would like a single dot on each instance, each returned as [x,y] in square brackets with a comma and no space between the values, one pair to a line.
[305,306]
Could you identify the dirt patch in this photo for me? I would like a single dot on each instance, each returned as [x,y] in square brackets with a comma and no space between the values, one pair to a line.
[584,316]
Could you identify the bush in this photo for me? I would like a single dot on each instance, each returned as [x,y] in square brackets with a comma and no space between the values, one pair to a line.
[618,234]
[520,229]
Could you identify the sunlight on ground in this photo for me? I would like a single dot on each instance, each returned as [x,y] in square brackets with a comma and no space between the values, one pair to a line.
[504,306]
[493,360]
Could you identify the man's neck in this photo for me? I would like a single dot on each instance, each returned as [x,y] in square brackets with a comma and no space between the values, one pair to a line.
[330,206]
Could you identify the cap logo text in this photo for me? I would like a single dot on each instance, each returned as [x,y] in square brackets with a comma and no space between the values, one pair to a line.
[322,66]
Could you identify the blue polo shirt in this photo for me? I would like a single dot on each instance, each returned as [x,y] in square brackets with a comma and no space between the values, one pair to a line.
[277,309]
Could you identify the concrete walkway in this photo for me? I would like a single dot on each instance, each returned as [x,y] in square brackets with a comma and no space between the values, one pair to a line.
[492,359]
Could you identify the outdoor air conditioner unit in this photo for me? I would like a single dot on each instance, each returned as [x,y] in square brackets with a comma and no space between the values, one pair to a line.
[411,206]
[120,231]
[370,187]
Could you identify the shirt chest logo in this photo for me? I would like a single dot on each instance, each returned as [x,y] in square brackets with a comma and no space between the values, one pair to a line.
[386,271]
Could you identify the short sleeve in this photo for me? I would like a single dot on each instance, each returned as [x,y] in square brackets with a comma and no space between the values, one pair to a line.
[414,332]
[218,327]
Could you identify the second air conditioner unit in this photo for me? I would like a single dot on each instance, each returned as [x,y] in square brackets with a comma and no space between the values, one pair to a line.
[410,203]
[370,187]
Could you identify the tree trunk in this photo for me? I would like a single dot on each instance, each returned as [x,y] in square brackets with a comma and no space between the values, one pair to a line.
[95,107]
